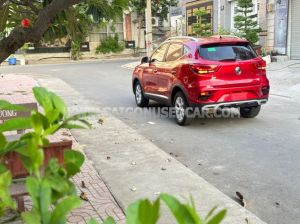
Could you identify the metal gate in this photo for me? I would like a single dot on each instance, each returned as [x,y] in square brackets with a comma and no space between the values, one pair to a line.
[295,29]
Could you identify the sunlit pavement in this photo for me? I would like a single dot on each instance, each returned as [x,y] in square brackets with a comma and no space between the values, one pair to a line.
[258,157]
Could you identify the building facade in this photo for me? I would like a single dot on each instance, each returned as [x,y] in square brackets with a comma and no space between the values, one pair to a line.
[194,6]
[280,20]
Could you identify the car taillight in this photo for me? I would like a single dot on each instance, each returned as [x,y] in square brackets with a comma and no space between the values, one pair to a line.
[261,65]
[204,69]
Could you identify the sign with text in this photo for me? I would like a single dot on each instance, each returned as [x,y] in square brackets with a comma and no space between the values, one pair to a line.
[9,114]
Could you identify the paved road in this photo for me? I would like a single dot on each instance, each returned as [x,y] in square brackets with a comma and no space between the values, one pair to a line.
[258,157]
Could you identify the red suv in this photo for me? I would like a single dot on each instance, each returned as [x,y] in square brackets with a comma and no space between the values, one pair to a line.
[207,73]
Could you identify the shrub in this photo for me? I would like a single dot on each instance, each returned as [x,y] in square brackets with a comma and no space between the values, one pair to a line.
[110,44]
[246,21]
[203,27]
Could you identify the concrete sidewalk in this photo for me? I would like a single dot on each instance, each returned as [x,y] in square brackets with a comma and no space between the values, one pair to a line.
[137,168]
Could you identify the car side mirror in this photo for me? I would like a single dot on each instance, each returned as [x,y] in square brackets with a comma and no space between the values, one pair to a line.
[145,60]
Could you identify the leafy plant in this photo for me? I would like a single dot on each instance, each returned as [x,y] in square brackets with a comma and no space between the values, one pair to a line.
[146,212]
[223,31]
[75,50]
[246,21]
[110,44]
[203,27]
[52,193]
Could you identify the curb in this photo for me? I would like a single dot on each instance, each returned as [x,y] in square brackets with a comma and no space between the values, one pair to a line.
[145,177]
[59,62]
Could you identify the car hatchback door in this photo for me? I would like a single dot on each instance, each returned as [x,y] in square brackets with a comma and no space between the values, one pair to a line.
[238,64]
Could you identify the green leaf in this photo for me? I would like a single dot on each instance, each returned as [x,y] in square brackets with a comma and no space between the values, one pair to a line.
[80,116]
[63,208]
[18,123]
[12,146]
[59,184]
[143,212]
[59,104]
[73,161]
[43,97]
[210,213]
[52,129]
[33,188]
[53,115]
[179,211]
[3,142]
[45,201]
[2,168]
[73,126]
[85,122]
[31,217]
[93,221]
[5,105]
[5,198]
[217,218]
[37,122]
[109,220]
[132,213]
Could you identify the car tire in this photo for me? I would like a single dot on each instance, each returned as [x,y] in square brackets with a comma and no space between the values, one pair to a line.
[180,105]
[249,112]
[140,98]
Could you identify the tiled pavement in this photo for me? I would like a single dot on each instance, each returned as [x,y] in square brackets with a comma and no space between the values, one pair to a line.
[100,203]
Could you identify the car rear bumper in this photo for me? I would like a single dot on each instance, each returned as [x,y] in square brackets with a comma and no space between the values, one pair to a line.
[243,103]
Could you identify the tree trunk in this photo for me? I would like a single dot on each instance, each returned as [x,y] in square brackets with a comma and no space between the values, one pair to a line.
[19,35]
[140,19]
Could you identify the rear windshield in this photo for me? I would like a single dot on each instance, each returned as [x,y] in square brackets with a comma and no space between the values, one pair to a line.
[232,52]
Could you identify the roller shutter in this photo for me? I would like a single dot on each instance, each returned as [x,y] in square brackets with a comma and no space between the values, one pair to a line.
[295,29]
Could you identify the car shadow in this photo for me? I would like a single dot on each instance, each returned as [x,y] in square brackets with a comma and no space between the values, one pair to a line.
[211,120]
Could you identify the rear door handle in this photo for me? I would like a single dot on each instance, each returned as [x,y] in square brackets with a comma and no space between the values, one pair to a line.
[155,70]
[174,72]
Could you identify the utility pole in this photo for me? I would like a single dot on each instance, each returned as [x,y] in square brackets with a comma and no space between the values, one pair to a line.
[148,28]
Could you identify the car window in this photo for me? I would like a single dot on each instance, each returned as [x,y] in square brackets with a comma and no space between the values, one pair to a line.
[159,54]
[227,52]
[175,51]
[186,50]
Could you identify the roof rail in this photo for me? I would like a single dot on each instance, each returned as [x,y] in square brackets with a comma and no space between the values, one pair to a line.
[228,36]
[183,37]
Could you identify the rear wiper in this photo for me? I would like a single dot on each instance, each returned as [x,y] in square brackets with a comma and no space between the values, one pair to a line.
[228,59]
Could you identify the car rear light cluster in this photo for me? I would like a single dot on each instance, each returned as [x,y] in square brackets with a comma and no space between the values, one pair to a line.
[205,95]
[261,65]
[204,69]
[265,90]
